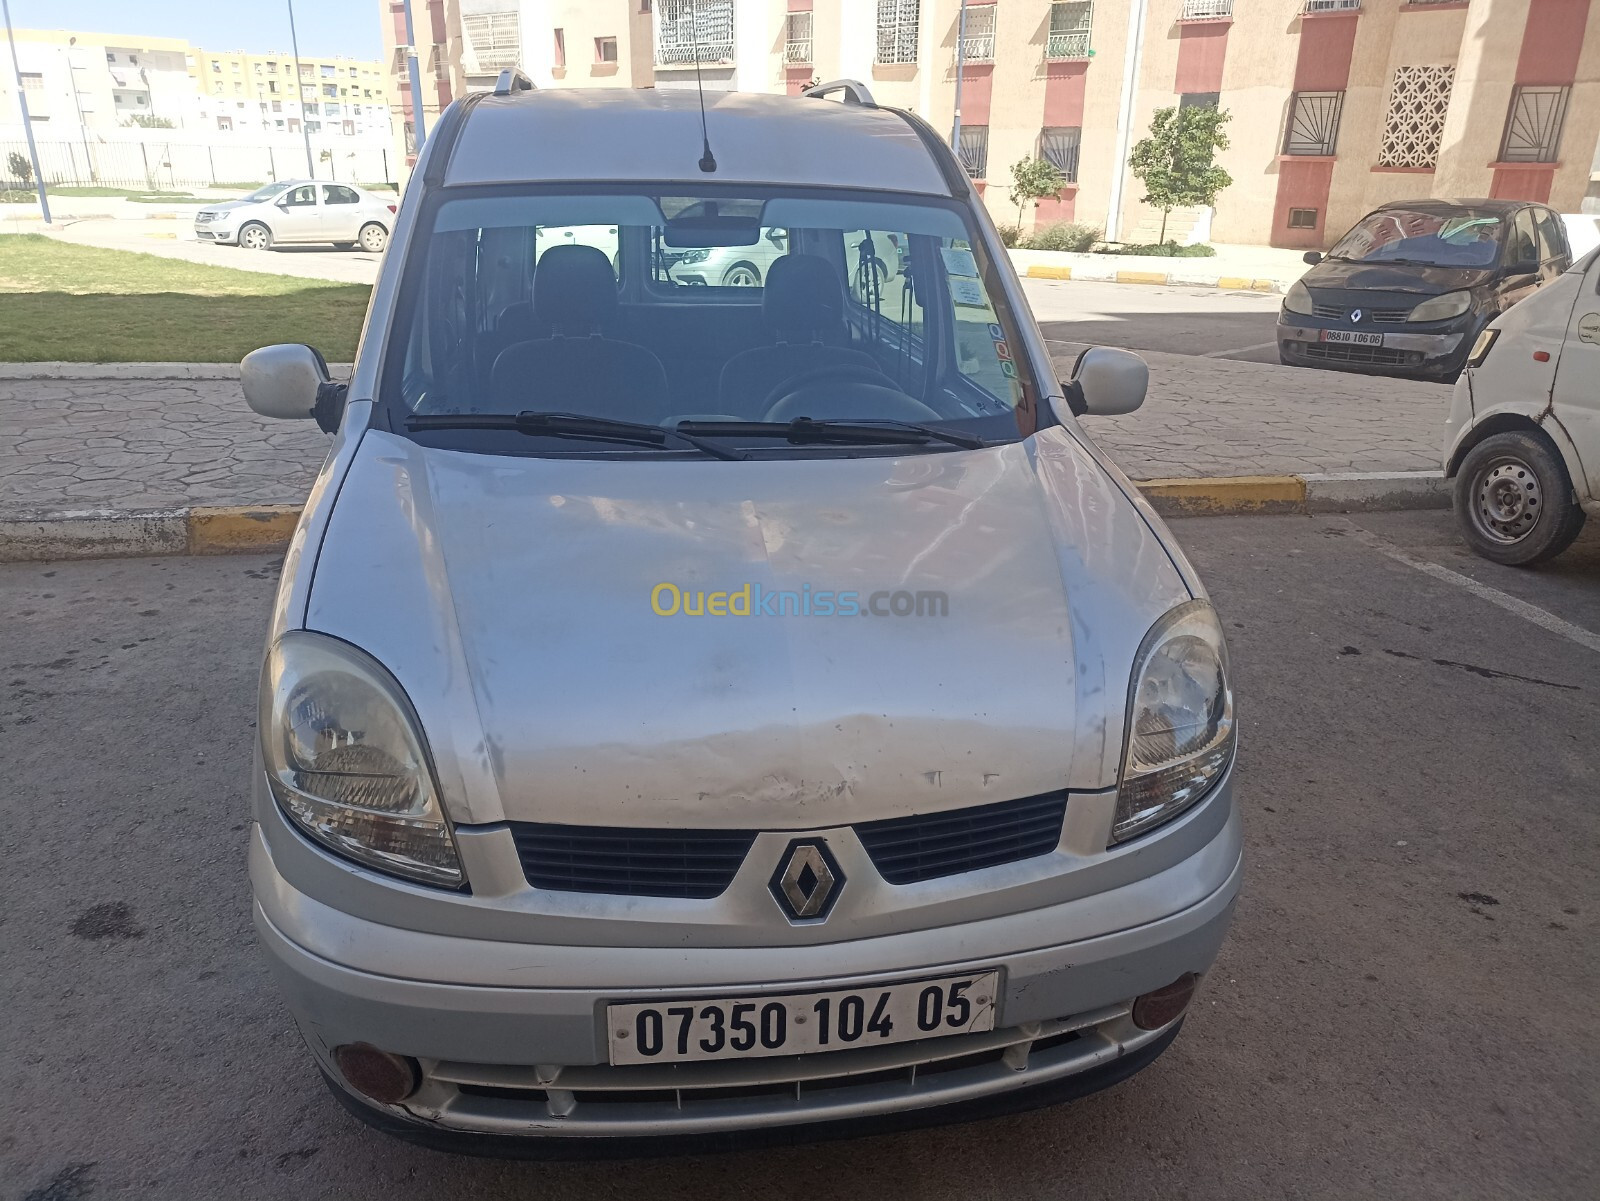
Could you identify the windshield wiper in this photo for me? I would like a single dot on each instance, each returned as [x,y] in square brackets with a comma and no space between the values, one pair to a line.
[569,425]
[804,431]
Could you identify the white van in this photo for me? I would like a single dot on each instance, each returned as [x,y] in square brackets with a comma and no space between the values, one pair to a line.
[1523,438]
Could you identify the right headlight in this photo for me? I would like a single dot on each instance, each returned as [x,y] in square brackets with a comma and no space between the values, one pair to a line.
[345,760]
[1180,734]
[1297,299]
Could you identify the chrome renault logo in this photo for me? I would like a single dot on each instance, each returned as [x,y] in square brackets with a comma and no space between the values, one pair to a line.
[1355,314]
[807,881]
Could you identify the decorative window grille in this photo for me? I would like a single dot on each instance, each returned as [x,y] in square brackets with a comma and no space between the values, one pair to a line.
[1313,123]
[1199,100]
[897,30]
[974,150]
[797,38]
[494,39]
[1418,100]
[978,44]
[1058,146]
[682,23]
[1070,22]
[1533,126]
[1330,6]
[1206,10]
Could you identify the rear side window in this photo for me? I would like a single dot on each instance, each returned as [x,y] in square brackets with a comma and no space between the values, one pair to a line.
[1524,242]
[333,193]
[1552,238]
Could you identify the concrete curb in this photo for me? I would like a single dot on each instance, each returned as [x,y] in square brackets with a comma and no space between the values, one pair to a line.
[83,371]
[240,529]
[1186,279]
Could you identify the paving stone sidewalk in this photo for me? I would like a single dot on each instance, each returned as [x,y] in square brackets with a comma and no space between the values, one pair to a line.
[157,444]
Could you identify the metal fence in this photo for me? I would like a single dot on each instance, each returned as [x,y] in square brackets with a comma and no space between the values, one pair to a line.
[169,166]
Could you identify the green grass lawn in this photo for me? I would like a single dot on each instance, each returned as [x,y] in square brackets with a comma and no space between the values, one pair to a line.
[85,304]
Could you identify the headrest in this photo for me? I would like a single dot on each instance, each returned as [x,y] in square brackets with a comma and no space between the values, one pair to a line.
[803,292]
[574,286]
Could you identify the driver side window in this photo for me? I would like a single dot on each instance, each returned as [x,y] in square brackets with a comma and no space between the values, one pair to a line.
[1524,246]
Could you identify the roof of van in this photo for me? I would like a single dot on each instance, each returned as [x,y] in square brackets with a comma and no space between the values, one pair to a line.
[628,134]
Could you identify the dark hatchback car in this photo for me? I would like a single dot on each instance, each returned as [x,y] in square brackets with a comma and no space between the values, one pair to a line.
[1410,288]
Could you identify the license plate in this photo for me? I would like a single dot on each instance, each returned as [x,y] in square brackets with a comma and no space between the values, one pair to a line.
[801,1023]
[1352,337]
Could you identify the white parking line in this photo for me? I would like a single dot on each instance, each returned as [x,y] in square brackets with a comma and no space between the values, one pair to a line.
[1223,354]
[1511,604]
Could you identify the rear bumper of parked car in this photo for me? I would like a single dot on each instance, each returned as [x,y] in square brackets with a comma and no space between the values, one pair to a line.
[512,1063]
[1434,353]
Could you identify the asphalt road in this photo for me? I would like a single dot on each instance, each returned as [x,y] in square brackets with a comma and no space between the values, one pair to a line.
[1193,321]
[1406,1006]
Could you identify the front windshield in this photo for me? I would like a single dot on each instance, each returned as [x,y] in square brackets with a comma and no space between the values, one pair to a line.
[761,305]
[1458,238]
[267,192]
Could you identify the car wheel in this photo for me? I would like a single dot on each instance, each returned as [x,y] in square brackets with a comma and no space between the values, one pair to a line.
[255,236]
[374,238]
[741,275]
[1514,499]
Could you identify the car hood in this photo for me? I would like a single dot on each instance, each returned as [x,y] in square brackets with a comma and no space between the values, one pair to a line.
[1336,274]
[512,599]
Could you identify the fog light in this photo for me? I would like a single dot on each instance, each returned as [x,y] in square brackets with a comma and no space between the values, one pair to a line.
[1155,1009]
[385,1077]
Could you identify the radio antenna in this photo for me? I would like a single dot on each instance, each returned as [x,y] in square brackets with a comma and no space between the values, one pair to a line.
[708,161]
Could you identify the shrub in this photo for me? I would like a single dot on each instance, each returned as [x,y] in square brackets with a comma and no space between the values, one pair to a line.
[1010,236]
[1065,235]
[1167,249]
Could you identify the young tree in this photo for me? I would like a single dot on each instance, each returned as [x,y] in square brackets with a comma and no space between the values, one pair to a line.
[1176,162]
[20,167]
[1034,179]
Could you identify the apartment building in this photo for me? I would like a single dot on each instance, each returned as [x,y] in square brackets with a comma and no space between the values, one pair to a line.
[99,81]
[1336,105]
[340,96]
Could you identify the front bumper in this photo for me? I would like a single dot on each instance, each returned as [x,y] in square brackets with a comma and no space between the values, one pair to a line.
[531,1060]
[1433,353]
[211,232]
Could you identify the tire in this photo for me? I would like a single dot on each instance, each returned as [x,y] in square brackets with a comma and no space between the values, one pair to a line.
[1514,499]
[742,275]
[374,238]
[255,236]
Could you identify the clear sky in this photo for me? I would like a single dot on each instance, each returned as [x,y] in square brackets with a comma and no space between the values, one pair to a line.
[326,27]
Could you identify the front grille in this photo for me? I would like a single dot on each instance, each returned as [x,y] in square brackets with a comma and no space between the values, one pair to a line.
[1341,353]
[1341,312]
[201,218]
[698,864]
[908,849]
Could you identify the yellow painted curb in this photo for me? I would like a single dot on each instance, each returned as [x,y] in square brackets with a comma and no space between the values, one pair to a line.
[160,235]
[1263,285]
[1141,277]
[224,529]
[1227,494]
[1235,284]
[1049,272]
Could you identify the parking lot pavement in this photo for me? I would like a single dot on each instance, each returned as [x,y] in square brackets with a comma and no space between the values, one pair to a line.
[1173,320]
[1405,1008]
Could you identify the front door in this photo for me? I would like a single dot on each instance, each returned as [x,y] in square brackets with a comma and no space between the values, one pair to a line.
[1522,261]
[341,212]
[1576,395]
[299,215]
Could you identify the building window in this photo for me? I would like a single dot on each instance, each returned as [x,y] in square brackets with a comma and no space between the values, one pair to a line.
[897,30]
[216,66]
[234,66]
[1302,218]
[974,151]
[797,37]
[561,48]
[349,128]
[110,58]
[1533,125]
[272,86]
[352,72]
[1418,100]
[494,39]
[1058,146]
[605,50]
[272,68]
[1313,123]
[1199,100]
[330,89]
[305,70]
[238,89]
[313,126]
[328,70]
[225,124]
[1070,23]
[978,44]
[1206,10]
[217,87]
[683,24]
[277,106]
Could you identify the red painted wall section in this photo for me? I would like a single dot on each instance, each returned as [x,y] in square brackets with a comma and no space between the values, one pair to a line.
[1521,183]
[1063,93]
[796,78]
[1323,65]
[977,85]
[1201,49]
[799,6]
[1326,44]
[1552,41]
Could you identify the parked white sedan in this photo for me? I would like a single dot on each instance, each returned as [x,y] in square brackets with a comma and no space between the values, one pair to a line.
[299,210]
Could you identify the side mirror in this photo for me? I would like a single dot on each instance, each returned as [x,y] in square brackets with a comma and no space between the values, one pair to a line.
[1107,382]
[1313,257]
[291,381]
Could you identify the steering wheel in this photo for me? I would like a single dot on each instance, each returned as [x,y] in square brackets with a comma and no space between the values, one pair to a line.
[843,391]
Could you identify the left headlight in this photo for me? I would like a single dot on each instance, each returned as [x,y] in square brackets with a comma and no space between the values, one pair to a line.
[1442,308]
[345,760]
[1180,734]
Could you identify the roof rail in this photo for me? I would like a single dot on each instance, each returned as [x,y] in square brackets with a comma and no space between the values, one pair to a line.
[855,92]
[512,79]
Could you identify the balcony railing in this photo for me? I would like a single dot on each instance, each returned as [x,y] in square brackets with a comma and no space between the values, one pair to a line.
[797,38]
[977,45]
[1070,24]
[1206,10]
[1330,6]
[797,52]
[682,23]
[1067,45]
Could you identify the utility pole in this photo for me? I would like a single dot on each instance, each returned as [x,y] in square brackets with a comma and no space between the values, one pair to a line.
[300,93]
[415,74]
[961,70]
[27,124]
